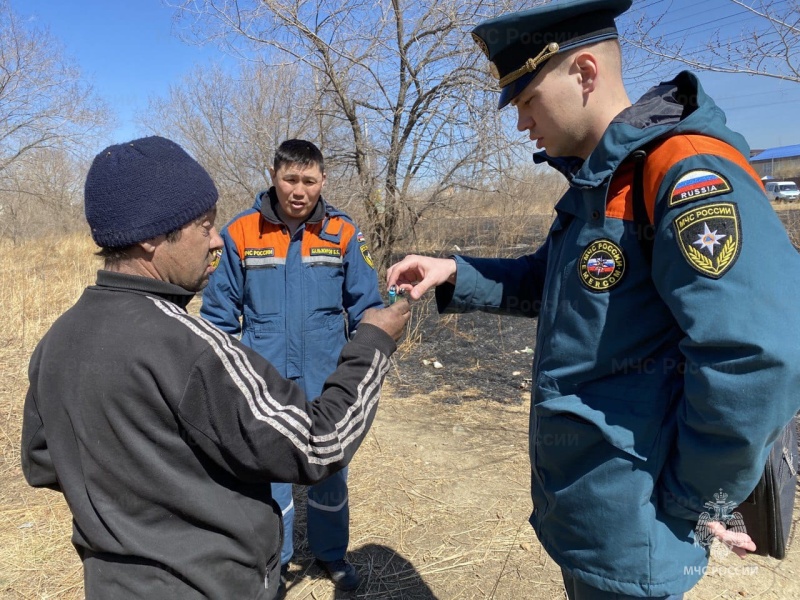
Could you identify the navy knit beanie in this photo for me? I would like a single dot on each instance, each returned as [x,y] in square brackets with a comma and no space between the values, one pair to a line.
[142,189]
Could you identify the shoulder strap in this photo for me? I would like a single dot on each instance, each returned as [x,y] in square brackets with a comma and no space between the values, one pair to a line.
[660,159]
[645,231]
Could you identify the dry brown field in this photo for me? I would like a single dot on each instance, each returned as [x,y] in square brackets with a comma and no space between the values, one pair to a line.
[439,491]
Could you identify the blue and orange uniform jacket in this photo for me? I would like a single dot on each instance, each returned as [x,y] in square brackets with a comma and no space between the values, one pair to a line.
[294,299]
[659,382]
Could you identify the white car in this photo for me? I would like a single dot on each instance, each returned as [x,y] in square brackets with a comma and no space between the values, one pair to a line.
[782,191]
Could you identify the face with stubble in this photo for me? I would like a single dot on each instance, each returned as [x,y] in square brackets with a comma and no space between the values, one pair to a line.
[188,260]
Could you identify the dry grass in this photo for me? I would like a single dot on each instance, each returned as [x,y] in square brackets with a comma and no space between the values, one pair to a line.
[38,281]
[496,223]
[439,493]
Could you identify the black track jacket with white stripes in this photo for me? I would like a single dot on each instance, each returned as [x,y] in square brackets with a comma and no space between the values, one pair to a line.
[162,432]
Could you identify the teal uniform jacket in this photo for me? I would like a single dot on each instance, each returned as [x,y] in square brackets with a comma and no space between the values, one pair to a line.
[657,384]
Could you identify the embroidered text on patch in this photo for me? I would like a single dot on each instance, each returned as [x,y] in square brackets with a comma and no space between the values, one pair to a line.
[698,184]
[326,251]
[259,252]
[709,237]
[261,258]
[601,265]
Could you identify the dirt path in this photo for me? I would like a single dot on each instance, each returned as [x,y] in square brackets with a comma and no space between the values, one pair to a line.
[439,508]
[440,502]
[439,490]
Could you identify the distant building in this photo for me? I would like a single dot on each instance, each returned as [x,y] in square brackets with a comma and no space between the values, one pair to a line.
[778,163]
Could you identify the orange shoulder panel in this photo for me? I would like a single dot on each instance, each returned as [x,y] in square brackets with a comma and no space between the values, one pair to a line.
[660,159]
[334,226]
[250,231]
[348,232]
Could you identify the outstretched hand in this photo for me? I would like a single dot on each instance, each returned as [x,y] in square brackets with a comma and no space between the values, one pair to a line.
[391,319]
[417,274]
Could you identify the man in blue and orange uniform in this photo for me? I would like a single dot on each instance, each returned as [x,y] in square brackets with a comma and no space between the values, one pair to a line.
[293,267]
[666,354]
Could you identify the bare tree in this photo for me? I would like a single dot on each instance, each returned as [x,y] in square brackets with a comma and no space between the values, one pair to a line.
[404,79]
[233,122]
[769,46]
[44,103]
[41,193]
[48,117]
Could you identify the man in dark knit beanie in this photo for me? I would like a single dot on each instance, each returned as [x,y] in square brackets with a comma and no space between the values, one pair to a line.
[143,189]
[162,432]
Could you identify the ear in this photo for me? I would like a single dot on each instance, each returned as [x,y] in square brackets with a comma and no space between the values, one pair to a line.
[587,66]
[149,246]
[324,179]
[271,174]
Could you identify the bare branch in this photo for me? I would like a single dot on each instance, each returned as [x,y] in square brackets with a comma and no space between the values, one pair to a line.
[769,47]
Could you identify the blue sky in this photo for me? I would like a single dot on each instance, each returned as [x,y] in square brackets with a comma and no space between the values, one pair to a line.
[125,48]
[128,50]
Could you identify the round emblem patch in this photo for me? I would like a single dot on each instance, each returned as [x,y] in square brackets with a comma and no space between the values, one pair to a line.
[601,265]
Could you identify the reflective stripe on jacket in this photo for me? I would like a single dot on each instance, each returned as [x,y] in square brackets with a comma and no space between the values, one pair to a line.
[292,292]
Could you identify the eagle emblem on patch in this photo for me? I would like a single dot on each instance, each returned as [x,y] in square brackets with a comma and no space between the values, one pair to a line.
[601,266]
[709,237]
[367,256]
[698,184]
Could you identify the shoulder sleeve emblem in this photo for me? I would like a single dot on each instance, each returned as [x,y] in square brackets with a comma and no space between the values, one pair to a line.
[217,254]
[709,237]
[698,184]
[367,256]
[362,245]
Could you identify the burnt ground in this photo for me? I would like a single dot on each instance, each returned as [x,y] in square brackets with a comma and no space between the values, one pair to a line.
[482,352]
[484,357]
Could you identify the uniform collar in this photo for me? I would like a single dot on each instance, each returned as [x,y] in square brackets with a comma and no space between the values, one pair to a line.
[662,109]
[268,201]
[144,285]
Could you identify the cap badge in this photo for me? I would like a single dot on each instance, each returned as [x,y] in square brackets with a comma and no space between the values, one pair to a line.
[531,64]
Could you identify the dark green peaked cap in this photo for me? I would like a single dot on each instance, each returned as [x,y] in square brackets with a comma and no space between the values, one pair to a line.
[518,44]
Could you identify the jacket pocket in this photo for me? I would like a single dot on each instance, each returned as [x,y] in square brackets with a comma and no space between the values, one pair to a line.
[628,417]
[262,325]
[324,288]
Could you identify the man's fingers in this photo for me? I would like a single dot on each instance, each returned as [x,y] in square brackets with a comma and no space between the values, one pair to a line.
[416,291]
[404,272]
[392,319]
[418,274]
[401,306]
[739,542]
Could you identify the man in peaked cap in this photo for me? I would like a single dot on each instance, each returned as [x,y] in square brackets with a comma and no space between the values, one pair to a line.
[661,377]
[519,44]
[163,432]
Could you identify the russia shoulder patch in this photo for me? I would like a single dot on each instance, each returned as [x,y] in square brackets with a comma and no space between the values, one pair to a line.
[709,237]
[698,184]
